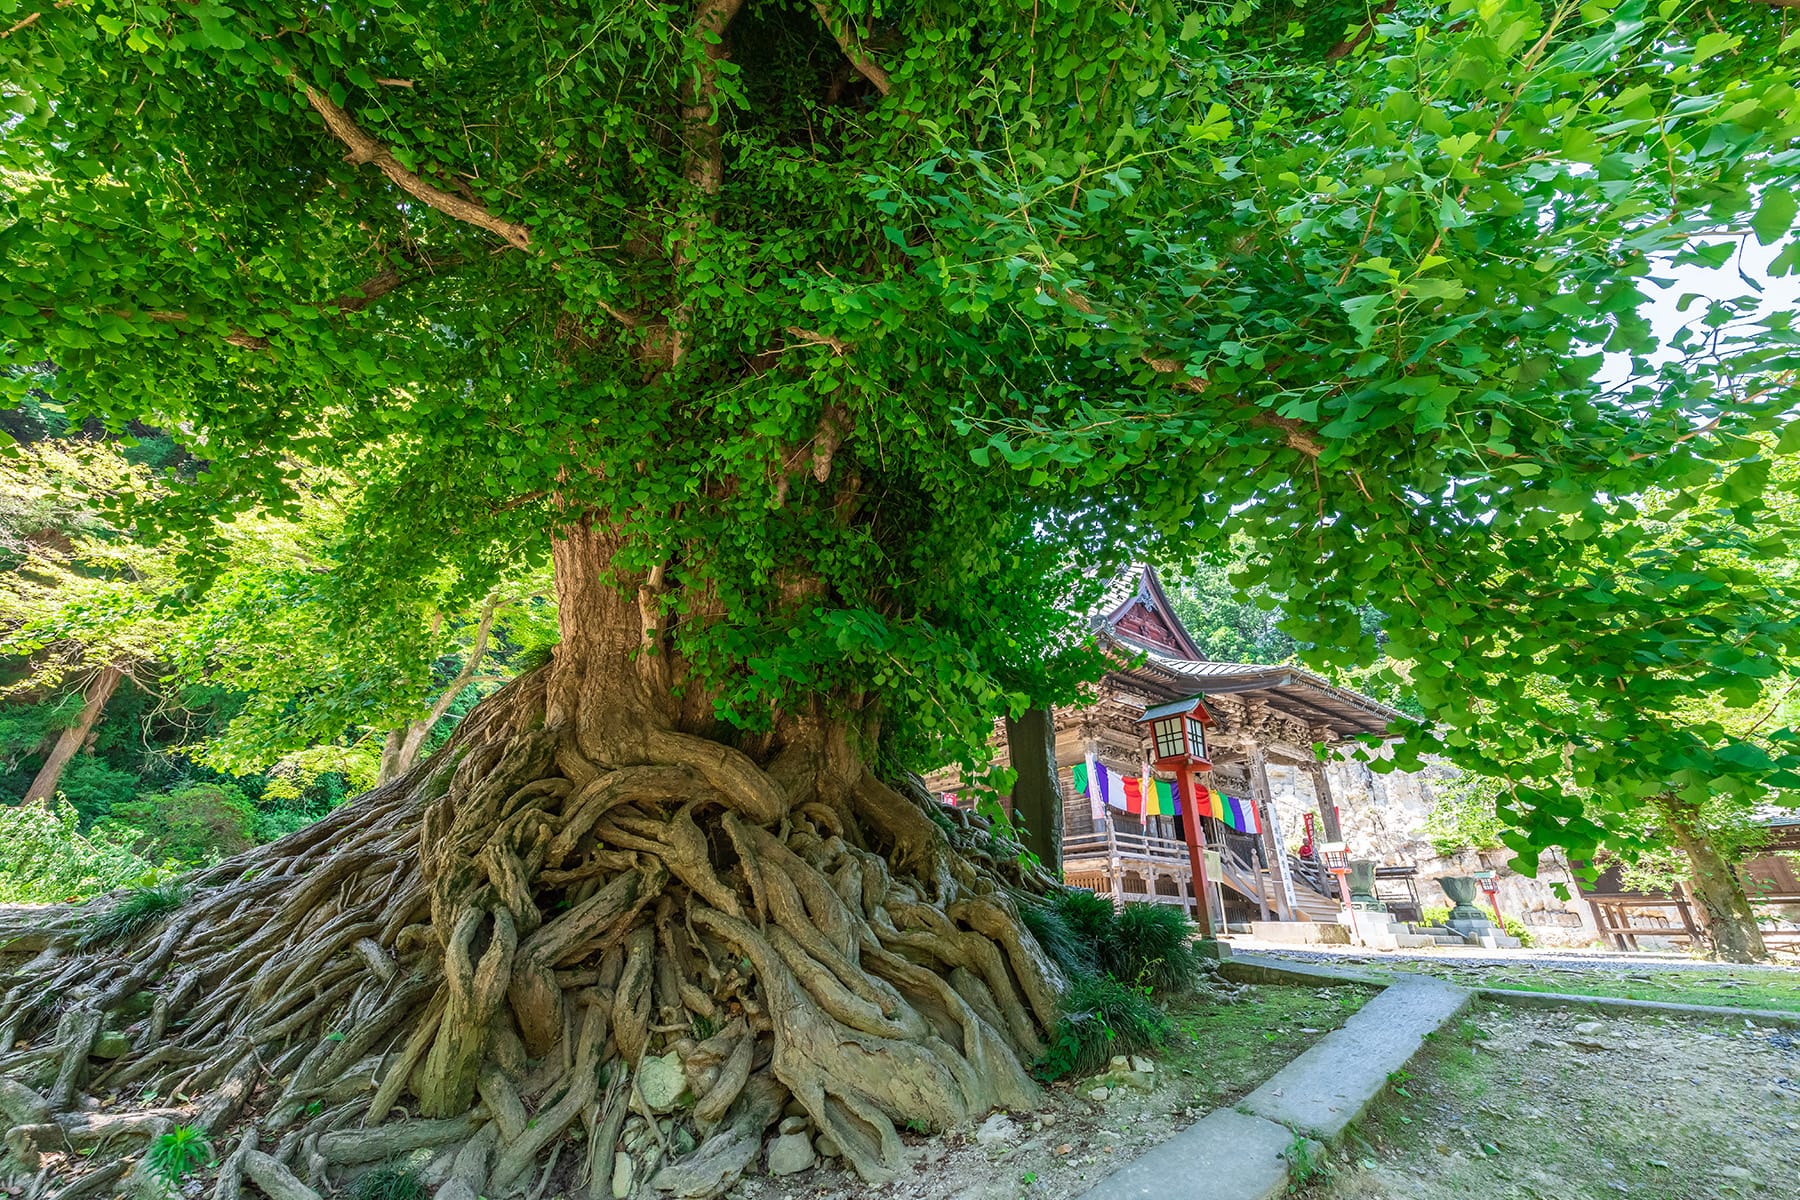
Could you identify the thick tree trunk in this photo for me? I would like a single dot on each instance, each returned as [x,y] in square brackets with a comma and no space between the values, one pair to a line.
[1730,924]
[69,743]
[582,913]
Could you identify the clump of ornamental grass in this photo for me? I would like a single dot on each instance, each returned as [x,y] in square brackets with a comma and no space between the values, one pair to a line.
[137,911]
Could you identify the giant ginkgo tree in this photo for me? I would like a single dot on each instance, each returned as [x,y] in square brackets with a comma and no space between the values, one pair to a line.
[836,353]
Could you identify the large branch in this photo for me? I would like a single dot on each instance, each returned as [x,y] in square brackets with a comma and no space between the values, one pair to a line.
[365,149]
[851,45]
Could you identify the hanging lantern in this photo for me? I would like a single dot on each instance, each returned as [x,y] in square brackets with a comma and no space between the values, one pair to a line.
[1178,731]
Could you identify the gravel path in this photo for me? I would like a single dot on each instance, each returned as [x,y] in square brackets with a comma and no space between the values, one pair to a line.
[1561,960]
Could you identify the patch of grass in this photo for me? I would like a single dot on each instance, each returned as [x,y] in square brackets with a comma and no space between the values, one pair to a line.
[1053,932]
[1102,1017]
[390,1182]
[1227,1049]
[1304,1166]
[139,910]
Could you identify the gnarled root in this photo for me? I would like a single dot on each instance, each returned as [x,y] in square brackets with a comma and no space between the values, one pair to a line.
[523,939]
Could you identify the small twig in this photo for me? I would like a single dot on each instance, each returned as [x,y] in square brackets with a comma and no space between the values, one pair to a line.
[30,20]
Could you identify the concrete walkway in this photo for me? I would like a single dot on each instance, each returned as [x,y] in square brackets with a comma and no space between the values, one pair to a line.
[1246,1153]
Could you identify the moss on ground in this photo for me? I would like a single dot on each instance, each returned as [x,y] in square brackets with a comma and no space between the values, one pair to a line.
[1228,1049]
[1735,987]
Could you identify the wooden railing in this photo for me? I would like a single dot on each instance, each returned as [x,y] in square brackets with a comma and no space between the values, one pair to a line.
[1113,844]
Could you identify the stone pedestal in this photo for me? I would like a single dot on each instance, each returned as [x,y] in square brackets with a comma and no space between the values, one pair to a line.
[1465,918]
[1362,886]
[1213,948]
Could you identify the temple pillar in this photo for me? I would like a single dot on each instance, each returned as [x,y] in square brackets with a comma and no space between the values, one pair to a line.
[1328,812]
[1263,797]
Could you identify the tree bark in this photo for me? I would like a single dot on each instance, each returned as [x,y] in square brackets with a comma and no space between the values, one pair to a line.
[1730,923]
[99,691]
[500,941]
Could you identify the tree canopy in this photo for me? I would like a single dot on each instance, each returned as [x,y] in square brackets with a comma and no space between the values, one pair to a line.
[890,331]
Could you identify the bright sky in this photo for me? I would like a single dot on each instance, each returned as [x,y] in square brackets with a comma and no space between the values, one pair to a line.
[1722,283]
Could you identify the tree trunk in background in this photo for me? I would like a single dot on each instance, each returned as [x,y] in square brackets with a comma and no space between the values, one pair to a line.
[1730,923]
[400,753]
[1036,798]
[99,691]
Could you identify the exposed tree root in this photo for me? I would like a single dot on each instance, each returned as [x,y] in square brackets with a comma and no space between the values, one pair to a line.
[533,969]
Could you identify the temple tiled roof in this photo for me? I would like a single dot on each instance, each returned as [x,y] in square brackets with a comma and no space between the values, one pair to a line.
[1139,619]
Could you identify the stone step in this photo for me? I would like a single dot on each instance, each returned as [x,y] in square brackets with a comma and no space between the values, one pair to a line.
[1301,932]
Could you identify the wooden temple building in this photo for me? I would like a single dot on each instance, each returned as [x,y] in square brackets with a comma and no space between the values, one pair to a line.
[1260,716]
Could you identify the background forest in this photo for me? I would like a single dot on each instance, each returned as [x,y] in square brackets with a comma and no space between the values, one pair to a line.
[174,711]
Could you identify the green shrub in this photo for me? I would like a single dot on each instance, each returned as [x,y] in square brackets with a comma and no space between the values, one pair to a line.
[196,823]
[1513,927]
[45,858]
[95,787]
[1434,914]
[1089,917]
[176,1154]
[1151,944]
[140,909]
[1139,943]
[1102,1017]
[388,1183]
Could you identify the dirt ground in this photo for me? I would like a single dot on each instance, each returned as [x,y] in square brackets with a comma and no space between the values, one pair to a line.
[1066,1146]
[1543,1105]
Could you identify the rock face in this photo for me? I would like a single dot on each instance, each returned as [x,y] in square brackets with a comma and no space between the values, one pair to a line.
[1384,820]
[662,1081]
[790,1154]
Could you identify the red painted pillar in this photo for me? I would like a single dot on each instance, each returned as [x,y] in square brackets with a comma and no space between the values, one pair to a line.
[1196,848]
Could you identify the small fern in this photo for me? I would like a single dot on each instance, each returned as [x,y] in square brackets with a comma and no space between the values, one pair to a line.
[177,1154]
[391,1182]
[139,910]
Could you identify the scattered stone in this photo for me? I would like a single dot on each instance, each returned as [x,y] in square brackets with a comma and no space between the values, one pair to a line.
[1142,1065]
[111,1044]
[1120,1062]
[1046,1120]
[1099,1093]
[1591,1028]
[998,1130]
[790,1154]
[681,1141]
[623,1175]
[1065,1148]
[827,1146]
[662,1081]
[1737,1172]
[795,1124]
